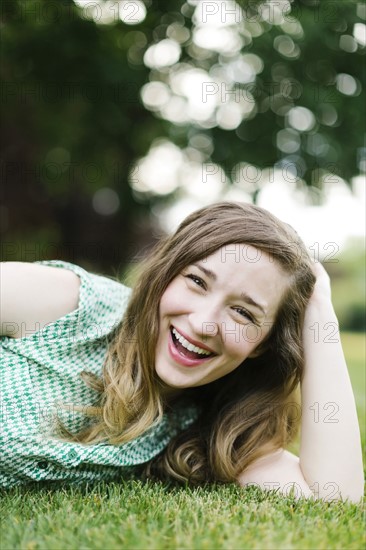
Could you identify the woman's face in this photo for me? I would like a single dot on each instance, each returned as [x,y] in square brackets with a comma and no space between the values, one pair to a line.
[215,313]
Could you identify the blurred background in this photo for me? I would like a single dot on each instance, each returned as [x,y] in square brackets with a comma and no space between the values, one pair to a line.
[119,118]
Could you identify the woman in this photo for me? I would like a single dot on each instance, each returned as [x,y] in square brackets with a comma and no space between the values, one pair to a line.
[200,367]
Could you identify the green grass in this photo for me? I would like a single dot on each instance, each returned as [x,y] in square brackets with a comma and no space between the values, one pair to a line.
[138,515]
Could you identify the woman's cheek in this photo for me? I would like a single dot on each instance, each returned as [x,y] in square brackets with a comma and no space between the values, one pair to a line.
[172,297]
[253,333]
[241,339]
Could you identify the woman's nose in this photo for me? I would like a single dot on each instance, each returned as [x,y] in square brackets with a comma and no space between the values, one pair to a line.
[204,324]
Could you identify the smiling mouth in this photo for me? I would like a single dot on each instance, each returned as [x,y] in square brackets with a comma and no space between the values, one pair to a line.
[190,354]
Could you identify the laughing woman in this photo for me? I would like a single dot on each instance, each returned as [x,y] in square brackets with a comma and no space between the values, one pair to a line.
[192,376]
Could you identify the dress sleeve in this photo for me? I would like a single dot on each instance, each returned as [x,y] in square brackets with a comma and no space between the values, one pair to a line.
[102,303]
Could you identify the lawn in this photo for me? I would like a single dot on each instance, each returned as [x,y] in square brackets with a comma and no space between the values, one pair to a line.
[149,515]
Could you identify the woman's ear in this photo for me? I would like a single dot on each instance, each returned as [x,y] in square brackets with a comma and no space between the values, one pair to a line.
[256,353]
[259,350]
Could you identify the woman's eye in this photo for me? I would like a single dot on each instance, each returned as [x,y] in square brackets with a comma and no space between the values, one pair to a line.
[244,313]
[196,280]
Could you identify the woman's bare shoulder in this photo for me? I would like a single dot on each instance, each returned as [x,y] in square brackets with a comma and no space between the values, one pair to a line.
[34,295]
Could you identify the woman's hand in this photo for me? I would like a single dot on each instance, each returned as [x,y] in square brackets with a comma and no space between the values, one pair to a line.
[320,309]
[322,288]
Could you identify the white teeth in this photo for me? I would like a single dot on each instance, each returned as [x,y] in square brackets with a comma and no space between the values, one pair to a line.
[188,345]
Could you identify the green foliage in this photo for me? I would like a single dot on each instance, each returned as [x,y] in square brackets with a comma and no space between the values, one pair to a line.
[305,57]
[73,120]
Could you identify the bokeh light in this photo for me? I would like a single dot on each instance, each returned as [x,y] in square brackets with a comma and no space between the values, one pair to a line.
[105,201]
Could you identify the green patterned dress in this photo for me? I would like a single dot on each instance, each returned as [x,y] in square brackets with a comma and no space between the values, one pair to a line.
[41,370]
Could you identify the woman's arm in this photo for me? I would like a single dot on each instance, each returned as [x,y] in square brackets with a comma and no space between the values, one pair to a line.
[34,295]
[330,449]
[278,471]
[330,465]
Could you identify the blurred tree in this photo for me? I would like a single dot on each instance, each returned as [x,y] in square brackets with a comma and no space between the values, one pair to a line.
[72,124]
[266,85]
[88,86]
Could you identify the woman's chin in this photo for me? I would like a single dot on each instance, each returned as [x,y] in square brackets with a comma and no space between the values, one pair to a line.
[171,384]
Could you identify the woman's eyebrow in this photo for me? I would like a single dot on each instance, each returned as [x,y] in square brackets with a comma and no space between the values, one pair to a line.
[206,271]
[250,300]
[244,296]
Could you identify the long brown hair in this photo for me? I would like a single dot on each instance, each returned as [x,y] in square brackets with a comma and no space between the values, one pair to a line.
[245,414]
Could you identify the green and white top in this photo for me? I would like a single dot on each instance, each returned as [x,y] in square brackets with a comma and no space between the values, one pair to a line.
[41,370]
